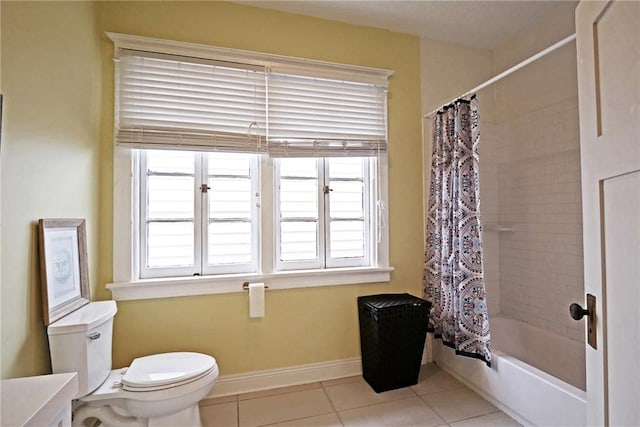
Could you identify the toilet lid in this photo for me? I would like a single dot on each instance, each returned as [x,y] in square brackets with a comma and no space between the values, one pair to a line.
[166,370]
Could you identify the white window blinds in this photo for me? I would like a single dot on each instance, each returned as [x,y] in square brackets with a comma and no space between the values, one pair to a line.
[197,97]
[317,117]
[168,101]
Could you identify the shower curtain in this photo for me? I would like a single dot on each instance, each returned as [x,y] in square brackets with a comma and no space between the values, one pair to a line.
[453,277]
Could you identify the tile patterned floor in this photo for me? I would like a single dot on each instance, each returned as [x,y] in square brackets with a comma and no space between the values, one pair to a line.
[437,400]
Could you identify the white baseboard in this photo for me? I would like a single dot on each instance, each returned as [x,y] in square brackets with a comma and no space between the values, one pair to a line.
[294,375]
[283,377]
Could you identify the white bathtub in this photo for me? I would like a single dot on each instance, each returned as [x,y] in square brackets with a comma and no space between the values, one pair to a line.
[530,395]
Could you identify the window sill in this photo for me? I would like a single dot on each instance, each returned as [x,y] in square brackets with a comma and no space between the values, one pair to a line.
[230,283]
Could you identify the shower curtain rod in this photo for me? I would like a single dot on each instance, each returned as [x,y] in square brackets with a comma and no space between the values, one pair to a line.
[507,72]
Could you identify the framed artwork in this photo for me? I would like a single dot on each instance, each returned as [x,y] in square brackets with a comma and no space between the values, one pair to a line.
[64,271]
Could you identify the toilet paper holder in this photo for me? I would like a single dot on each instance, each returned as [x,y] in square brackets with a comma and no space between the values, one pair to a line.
[245,286]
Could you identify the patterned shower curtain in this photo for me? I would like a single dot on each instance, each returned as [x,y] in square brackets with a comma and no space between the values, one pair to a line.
[453,277]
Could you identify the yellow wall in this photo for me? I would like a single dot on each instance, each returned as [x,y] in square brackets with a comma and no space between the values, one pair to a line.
[304,325]
[57,162]
[57,76]
[51,74]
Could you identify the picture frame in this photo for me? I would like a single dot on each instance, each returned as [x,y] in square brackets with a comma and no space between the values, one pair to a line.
[1,108]
[64,271]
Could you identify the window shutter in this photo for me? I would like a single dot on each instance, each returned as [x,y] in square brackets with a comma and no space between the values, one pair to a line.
[175,102]
[318,117]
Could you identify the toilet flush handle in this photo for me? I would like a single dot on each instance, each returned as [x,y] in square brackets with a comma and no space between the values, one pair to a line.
[94,336]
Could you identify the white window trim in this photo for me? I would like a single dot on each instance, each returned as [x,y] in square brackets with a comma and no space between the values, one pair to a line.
[125,286]
[276,63]
[224,284]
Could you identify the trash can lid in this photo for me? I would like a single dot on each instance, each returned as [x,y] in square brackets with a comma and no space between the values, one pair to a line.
[391,300]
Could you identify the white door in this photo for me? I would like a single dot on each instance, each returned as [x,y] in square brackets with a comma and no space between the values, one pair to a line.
[608,45]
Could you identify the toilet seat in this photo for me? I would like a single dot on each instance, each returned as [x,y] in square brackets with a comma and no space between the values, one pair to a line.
[171,399]
[166,370]
[112,388]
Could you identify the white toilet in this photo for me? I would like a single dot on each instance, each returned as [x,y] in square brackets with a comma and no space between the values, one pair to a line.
[157,390]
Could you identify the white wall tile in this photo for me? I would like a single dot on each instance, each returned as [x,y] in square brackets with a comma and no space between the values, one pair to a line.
[531,180]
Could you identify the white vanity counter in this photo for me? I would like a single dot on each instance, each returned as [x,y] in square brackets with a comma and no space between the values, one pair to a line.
[43,400]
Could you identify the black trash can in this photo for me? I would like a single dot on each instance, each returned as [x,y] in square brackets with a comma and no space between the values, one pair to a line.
[393,328]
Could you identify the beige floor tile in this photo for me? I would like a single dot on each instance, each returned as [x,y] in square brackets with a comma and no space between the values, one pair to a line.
[328,420]
[220,415]
[433,379]
[283,407]
[219,400]
[341,380]
[358,393]
[407,412]
[499,419]
[459,404]
[281,390]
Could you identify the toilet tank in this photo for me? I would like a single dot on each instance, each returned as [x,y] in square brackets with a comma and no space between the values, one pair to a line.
[81,342]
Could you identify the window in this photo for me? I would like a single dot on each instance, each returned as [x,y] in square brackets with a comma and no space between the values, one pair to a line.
[198,213]
[237,165]
[324,210]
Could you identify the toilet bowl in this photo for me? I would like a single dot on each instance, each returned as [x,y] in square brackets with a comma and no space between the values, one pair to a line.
[155,390]
[164,389]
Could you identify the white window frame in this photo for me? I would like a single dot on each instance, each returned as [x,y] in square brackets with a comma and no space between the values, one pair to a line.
[323,247]
[251,267]
[201,219]
[126,216]
[145,272]
[320,241]
[368,220]
[126,284]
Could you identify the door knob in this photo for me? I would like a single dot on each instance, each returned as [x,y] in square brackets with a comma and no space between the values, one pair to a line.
[577,312]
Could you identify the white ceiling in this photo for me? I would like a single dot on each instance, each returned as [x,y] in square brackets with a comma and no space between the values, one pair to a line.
[481,23]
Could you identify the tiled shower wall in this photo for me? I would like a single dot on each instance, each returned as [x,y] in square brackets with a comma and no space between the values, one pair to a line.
[489,208]
[531,211]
